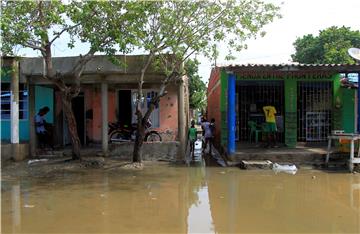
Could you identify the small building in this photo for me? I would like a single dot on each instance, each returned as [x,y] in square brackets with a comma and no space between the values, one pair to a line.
[310,101]
[100,78]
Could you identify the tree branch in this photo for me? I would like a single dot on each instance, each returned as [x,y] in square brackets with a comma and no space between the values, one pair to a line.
[62,31]
[32,46]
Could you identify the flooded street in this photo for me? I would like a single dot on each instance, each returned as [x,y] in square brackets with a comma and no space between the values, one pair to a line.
[180,199]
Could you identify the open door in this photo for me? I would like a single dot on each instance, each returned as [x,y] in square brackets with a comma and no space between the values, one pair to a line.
[78,107]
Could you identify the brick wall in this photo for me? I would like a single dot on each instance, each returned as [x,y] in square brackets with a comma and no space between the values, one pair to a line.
[213,101]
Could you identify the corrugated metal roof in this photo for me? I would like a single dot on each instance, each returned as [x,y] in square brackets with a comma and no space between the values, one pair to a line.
[291,69]
[279,65]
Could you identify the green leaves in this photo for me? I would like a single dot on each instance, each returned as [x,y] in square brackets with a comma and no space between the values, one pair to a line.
[330,47]
[197,88]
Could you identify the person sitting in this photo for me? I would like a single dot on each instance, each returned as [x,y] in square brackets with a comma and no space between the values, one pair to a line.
[43,129]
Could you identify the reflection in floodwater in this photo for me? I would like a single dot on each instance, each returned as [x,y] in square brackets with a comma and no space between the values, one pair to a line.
[183,199]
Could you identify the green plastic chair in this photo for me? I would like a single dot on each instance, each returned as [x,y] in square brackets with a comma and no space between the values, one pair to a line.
[254,131]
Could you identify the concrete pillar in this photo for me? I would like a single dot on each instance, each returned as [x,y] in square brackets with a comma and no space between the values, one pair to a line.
[32,140]
[104,117]
[181,123]
[358,107]
[231,114]
[14,107]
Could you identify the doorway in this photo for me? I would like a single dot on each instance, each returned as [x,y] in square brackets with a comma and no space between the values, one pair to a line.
[124,107]
[252,97]
[314,111]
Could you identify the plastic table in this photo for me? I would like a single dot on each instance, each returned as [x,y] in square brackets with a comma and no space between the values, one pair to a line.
[347,136]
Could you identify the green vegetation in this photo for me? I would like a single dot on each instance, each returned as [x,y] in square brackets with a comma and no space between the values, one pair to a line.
[197,87]
[330,47]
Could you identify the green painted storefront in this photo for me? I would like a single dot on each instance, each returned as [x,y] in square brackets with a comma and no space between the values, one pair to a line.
[343,100]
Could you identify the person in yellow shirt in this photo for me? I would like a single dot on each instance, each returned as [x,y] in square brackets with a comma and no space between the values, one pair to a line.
[270,127]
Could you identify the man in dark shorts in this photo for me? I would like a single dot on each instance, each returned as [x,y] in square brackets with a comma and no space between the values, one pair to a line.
[43,133]
[270,125]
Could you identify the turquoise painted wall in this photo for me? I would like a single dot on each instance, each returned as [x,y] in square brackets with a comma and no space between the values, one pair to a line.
[43,97]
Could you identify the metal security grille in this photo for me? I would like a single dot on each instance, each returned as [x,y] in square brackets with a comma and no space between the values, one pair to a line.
[252,96]
[314,111]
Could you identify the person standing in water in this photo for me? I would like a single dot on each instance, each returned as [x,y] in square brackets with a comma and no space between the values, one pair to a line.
[206,126]
[192,138]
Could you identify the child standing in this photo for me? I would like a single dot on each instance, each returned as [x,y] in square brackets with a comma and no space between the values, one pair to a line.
[192,138]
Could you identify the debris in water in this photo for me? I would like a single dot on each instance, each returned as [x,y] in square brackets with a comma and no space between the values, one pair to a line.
[37,160]
[314,177]
[287,168]
[29,206]
[255,164]
[222,172]
[153,198]
[102,195]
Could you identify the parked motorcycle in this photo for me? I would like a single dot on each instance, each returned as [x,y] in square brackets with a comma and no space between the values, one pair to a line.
[124,133]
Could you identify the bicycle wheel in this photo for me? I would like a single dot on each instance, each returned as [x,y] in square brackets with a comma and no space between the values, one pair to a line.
[153,136]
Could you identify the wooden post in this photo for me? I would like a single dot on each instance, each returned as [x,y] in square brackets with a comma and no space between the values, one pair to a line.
[32,140]
[181,123]
[104,117]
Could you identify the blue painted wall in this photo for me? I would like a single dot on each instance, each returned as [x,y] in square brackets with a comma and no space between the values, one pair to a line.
[43,97]
[231,113]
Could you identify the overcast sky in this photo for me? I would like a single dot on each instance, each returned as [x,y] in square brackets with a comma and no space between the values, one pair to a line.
[300,17]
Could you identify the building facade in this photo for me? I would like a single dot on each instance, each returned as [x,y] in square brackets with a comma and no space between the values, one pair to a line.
[100,79]
[310,100]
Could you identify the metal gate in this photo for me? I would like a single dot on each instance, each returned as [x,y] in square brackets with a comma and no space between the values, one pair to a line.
[252,96]
[314,111]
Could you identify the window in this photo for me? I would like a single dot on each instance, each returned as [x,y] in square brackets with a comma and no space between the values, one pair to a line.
[5,101]
[155,115]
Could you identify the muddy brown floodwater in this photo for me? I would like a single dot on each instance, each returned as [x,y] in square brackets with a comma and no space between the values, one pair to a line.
[179,199]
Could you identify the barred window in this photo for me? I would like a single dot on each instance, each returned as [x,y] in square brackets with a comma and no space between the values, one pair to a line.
[6,98]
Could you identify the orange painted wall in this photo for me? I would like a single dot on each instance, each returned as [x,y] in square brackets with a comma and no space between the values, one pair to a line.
[93,101]
[169,115]
[168,112]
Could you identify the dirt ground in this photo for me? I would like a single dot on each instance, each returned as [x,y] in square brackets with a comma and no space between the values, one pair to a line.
[49,167]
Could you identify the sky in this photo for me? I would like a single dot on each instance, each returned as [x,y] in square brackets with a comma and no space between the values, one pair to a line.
[299,17]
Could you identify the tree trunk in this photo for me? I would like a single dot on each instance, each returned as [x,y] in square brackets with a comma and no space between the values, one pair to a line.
[72,126]
[139,140]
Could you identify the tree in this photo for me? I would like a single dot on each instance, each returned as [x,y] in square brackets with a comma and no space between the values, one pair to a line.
[39,24]
[330,47]
[197,87]
[175,30]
